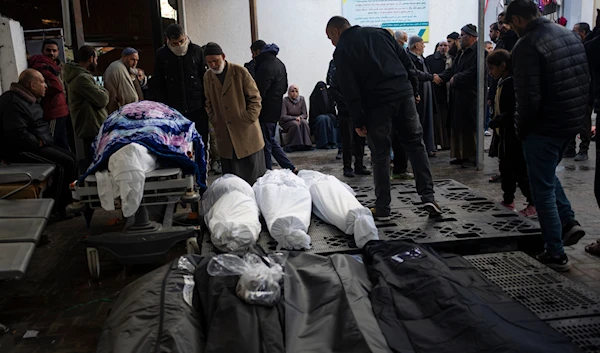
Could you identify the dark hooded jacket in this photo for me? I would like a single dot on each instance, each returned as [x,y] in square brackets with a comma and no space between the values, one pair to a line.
[463,93]
[22,124]
[271,79]
[179,80]
[552,81]
[507,40]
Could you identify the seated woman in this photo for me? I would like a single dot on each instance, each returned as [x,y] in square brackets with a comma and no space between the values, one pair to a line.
[322,119]
[293,122]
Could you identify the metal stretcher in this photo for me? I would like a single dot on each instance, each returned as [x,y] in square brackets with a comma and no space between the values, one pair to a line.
[149,234]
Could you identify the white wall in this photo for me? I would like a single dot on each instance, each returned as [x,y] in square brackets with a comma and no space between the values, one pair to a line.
[298,28]
[13,59]
[580,11]
[226,22]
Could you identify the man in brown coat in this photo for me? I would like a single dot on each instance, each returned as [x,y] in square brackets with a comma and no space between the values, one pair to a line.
[233,105]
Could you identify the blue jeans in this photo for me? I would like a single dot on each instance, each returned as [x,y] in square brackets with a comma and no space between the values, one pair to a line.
[542,155]
[272,147]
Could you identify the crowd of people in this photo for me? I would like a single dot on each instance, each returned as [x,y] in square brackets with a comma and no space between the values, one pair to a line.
[405,107]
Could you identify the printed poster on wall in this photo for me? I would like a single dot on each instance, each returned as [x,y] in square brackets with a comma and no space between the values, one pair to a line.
[411,16]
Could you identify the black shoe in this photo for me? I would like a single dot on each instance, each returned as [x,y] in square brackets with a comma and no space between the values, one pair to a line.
[572,233]
[569,154]
[433,208]
[338,155]
[380,218]
[348,173]
[559,263]
[581,156]
[457,161]
[362,170]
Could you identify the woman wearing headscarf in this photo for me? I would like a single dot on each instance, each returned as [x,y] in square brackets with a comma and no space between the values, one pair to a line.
[322,119]
[294,122]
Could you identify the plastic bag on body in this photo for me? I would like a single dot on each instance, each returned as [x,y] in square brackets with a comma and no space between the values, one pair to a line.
[335,203]
[222,186]
[259,277]
[285,203]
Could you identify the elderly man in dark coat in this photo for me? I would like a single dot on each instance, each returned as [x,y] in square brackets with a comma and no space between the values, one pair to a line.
[462,77]
[425,107]
[438,63]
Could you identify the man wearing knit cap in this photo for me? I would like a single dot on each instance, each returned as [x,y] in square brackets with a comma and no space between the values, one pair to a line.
[454,45]
[462,77]
[233,105]
[119,82]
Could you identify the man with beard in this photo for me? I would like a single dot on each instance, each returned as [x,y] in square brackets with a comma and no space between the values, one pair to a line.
[438,63]
[233,104]
[119,82]
[87,100]
[462,77]
[454,45]
[179,74]
[54,102]
[494,32]
[508,38]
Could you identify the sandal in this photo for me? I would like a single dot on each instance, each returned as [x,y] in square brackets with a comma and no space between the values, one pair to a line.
[496,178]
[593,248]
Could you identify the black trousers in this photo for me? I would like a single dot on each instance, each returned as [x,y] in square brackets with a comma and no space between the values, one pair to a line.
[514,172]
[66,171]
[200,119]
[61,135]
[585,134]
[352,144]
[400,160]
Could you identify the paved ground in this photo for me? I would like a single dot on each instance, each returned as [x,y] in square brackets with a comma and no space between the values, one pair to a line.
[58,299]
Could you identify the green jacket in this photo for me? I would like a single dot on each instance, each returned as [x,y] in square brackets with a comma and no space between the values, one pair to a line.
[87,101]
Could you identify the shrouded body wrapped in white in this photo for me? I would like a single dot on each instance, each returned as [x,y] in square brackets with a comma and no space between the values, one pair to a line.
[231,214]
[222,186]
[234,222]
[335,203]
[285,203]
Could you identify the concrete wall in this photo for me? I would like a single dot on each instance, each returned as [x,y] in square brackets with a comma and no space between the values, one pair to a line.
[13,59]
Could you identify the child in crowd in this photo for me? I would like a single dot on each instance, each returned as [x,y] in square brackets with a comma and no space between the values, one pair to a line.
[512,162]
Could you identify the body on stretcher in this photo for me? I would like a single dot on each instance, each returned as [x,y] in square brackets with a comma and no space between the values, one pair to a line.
[162,186]
[142,240]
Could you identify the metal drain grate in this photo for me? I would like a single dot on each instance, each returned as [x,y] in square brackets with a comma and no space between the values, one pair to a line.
[543,291]
[583,332]
[557,301]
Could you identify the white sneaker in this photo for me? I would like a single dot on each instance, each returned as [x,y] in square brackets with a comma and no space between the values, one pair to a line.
[487,133]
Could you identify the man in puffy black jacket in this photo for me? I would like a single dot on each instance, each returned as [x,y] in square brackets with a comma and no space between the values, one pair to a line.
[179,77]
[552,89]
[271,79]
[378,82]
[25,135]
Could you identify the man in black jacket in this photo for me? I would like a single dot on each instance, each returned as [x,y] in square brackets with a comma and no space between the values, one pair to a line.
[552,89]
[508,38]
[25,136]
[178,77]
[379,85]
[271,79]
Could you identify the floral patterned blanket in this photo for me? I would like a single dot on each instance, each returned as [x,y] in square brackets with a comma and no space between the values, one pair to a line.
[161,129]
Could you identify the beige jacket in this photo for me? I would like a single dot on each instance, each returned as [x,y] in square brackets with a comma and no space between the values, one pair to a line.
[233,109]
[120,86]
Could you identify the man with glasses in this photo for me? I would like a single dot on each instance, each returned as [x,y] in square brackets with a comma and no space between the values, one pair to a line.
[178,77]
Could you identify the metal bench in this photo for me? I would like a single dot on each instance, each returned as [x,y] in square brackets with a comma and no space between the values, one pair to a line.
[24,180]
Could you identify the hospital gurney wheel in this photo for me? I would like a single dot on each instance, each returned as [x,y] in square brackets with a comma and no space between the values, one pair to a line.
[192,246]
[93,262]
